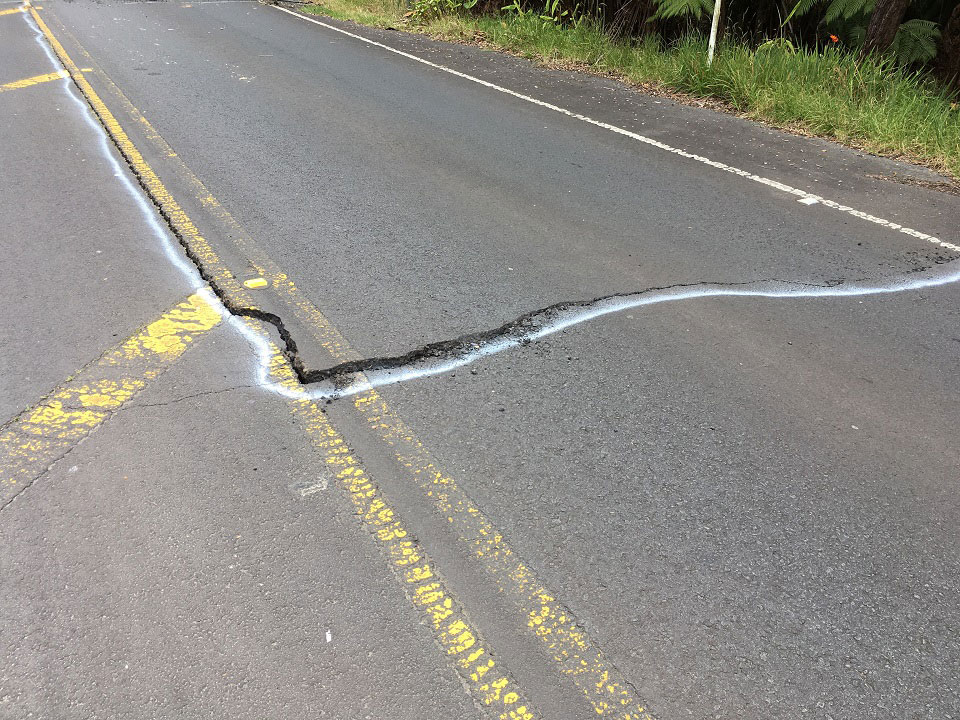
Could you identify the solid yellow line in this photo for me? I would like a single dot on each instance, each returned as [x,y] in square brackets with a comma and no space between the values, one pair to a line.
[323,330]
[576,654]
[483,674]
[36,438]
[35,80]
[11,11]
[155,189]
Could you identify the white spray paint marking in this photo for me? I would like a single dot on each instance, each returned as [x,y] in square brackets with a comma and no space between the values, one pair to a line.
[172,250]
[329,636]
[307,488]
[264,349]
[569,318]
[803,194]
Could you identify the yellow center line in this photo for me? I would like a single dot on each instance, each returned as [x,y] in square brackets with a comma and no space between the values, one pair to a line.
[486,678]
[480,670]
[178,220]
[35,80]
[576,655]
[40,435]
[11,11]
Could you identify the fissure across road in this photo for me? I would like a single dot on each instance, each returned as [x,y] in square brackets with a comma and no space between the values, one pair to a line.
[356,376]
[534,605]
[352,376]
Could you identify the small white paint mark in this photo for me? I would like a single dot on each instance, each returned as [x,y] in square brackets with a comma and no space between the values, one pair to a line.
[304,489]
[329,636]
[854,427]
[72,469]
[808,201]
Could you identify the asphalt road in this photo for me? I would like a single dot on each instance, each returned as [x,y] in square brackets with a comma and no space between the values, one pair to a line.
[707,507]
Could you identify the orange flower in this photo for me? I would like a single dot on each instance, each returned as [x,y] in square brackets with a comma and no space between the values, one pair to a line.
[834,38]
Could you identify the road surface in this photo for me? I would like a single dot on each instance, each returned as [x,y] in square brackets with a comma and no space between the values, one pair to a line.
[718,480]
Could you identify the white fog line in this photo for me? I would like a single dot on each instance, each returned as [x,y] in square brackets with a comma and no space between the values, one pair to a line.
[809,198]
[266,351]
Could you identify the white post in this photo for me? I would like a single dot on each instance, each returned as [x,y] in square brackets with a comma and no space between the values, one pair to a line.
[713,32]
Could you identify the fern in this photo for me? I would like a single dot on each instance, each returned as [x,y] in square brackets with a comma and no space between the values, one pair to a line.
[915,42]
[836,9]
[682,8]
[857,35]
[800,9]
[847,9]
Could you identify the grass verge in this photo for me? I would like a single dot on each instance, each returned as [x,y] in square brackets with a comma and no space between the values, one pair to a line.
[869,105]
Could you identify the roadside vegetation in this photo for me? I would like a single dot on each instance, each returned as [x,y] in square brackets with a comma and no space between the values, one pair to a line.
[814,67]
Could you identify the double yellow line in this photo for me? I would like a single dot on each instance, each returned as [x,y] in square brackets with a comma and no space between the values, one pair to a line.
[575,655]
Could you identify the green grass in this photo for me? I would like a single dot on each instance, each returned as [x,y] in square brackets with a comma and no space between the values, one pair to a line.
[869,104]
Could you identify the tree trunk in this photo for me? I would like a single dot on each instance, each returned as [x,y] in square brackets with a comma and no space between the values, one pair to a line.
[948,54]
[884,23]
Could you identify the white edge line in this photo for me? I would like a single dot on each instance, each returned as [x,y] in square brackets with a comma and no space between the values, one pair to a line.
[776,185]
[265,349]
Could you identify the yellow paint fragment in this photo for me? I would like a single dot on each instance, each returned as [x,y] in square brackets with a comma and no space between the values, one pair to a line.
[426,592]
[255,283]
[35,80]
[35,439]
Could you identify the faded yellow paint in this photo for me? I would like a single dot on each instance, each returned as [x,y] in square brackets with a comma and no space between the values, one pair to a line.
[427,592]
[11,11]
[179,221]
[577,656]
[35,80]
[36,438]
[322,329]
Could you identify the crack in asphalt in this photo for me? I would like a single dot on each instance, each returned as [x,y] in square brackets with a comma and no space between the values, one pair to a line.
[289,345]
[182,398]
[521,330]
[354,376]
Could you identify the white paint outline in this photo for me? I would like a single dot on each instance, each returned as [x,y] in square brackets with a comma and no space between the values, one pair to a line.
[802,194]
[607,306]
[265,350]
[173,252]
